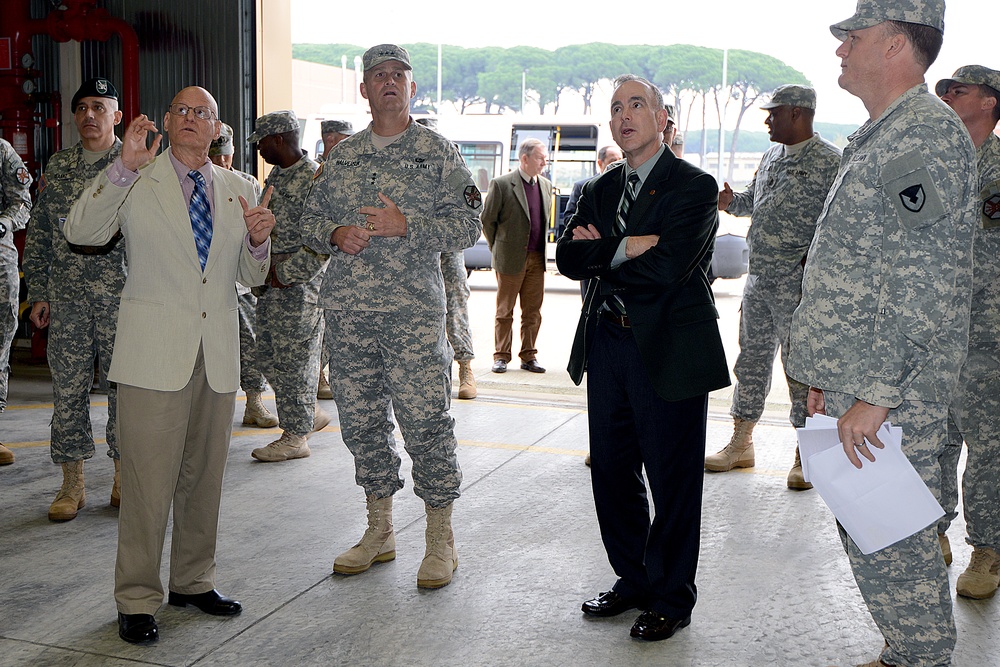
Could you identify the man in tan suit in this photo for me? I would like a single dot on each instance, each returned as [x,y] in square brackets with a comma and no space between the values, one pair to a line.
[515,219]
[190,233]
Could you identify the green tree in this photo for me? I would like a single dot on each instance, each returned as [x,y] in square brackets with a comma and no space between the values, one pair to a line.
[589,64]
[752,77]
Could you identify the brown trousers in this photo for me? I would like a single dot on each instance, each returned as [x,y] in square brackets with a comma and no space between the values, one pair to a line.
[529,285]
[173,449]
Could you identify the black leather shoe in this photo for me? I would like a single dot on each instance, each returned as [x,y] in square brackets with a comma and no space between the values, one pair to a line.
[499,366]
[137,628]
[532,367]
[653,627]
[211,602]
[609,604]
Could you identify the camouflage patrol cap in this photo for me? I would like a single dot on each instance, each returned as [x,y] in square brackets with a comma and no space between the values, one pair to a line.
[873,12]
[671,113]
[224,144]
[791,95]
[383,52]
[275,122]
[96,87]
[339,126]
[970,74]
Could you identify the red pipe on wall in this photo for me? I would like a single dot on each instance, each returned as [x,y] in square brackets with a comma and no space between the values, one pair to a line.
[80,20]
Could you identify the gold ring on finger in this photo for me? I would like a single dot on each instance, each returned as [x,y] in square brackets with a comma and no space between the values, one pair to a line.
[371,226]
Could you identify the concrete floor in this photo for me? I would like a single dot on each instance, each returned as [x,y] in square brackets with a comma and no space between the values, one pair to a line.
[775,587]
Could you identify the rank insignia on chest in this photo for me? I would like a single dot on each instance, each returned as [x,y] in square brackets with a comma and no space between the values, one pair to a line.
[913,198]
[473,197]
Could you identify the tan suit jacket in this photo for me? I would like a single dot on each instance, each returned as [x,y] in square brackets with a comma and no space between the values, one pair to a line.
[169,307]
[506,224]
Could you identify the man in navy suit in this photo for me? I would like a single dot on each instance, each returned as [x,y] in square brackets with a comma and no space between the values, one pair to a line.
[649,340]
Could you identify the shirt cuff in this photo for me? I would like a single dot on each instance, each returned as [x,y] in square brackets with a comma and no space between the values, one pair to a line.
[619,257]
[261,252]
[120,175]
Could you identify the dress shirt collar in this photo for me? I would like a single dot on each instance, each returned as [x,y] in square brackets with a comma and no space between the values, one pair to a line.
[182,170]
[646,168]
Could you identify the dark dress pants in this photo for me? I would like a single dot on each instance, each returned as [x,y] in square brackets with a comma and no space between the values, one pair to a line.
[632,428]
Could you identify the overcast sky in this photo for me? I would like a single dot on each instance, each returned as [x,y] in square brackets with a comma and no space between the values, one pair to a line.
[794,31]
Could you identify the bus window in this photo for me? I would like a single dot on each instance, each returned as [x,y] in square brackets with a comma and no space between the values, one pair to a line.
[483,160]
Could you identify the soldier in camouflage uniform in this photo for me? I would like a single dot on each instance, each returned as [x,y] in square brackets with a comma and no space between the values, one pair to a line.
[333,132]
[882,328]
[252,382]
[387,203]
[15,206]
[289,323]
[74,291]
[784,199]
[974,93]
[456,292]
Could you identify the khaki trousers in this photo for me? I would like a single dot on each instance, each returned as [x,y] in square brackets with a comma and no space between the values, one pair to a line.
[173,449]
[529,285]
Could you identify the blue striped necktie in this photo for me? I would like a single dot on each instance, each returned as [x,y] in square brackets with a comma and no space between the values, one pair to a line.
[201,217]
[614,303]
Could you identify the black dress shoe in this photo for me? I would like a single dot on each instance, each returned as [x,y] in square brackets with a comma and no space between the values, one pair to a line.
[211,602]
[137,628]
[653,627]
[499,366]
[609,604]
[532,367]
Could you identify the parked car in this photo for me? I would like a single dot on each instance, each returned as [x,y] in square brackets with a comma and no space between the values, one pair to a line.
[478,257]
[731,258]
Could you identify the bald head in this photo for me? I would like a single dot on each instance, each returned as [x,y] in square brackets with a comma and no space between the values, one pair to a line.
[196,96]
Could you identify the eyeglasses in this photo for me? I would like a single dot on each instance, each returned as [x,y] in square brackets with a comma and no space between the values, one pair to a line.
[201,113]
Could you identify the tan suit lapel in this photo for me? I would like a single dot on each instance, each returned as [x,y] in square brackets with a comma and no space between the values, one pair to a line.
[171,199]
[224,200]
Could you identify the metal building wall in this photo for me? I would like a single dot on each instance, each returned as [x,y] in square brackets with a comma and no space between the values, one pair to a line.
[208,44]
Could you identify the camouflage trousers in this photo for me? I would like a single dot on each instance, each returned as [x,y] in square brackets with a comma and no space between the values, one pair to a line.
[456,290]
[765,320]
[975,417]
[289,335]
[251,379]
[79,333]
[905,585]
[9,297]
[396,364]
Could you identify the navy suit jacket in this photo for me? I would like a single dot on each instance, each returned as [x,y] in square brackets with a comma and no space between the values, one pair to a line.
[665,290]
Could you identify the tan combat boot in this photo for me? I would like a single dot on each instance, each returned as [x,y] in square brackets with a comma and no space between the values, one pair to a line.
[323,390]
[738,453]
[466,380]
[945,544]
[71,496]
[377,545]
[795,479]
[288,446]
[321,419]
[116,487]
[440,559]
[981,578]
[6,456]
[256,413]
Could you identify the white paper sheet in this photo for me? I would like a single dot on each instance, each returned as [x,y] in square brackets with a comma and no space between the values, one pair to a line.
[878,505]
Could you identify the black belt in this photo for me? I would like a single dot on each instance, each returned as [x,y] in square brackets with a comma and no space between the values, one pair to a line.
[620,320]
